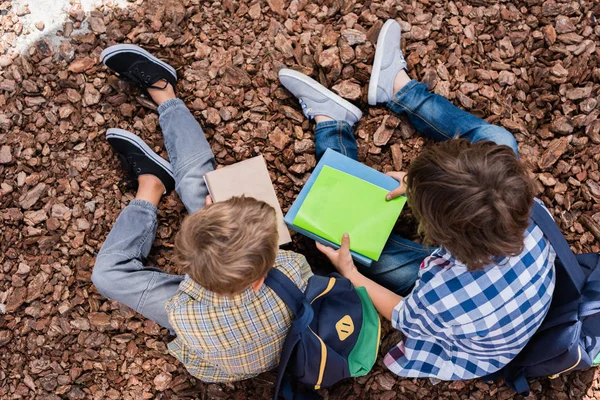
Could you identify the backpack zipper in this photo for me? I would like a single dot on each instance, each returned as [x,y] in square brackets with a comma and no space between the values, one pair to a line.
[327,289]
[323,347]
[323,361]
[554,376]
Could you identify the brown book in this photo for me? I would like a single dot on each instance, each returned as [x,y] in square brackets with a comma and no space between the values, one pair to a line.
[251,178]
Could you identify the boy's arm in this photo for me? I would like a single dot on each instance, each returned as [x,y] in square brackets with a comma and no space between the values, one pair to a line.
[383,299]
[294,266]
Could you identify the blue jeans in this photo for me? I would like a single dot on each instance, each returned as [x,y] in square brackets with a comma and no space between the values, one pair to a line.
[119,273]
[437,118]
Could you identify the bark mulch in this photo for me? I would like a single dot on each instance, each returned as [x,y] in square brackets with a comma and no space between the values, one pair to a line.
[531,66]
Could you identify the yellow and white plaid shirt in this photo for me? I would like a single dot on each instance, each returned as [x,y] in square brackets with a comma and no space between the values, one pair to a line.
[223,339]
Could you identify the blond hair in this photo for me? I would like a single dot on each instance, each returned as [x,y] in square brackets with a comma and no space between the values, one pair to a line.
[227,246]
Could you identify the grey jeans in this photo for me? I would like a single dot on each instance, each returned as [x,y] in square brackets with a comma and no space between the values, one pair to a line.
[119,272]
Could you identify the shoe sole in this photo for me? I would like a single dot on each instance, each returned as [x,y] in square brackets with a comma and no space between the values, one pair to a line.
[132,48]
[139,143]
[324,91]
[374,79]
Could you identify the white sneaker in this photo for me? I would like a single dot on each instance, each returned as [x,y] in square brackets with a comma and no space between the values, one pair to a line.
[316,99]
[387,63]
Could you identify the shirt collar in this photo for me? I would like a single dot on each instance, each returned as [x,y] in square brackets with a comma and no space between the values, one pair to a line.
[202,295]
[498,261]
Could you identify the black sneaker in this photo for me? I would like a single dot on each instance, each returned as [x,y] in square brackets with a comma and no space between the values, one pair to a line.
[139,159]
[136,65]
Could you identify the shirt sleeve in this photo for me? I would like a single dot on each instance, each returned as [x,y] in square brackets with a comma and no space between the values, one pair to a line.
[413,315]
[415,320]
[397,315]
[305,271]
[295,266]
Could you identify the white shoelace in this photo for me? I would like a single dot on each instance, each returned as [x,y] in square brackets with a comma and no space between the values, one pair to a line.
[305,110]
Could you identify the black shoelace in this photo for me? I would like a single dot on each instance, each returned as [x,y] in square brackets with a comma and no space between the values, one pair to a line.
[141,78]
[130,182]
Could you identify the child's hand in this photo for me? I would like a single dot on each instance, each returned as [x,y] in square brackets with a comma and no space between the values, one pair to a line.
[209,200]
[341,258]
[401,189]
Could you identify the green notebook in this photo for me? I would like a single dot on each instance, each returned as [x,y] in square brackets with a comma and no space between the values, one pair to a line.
[339,202]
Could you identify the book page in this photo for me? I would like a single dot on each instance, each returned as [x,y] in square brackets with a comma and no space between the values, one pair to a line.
[251,178]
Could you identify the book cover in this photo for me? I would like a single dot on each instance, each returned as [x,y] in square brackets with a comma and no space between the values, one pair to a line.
[352,167]
[339,202]
[251,178]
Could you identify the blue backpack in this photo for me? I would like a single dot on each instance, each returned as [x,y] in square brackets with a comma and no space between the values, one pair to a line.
[334,335]
[569,337]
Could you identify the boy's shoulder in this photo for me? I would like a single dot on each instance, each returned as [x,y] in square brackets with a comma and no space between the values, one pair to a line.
[294,266]
[192,295]
[441,265]
[284,256]
[444,281]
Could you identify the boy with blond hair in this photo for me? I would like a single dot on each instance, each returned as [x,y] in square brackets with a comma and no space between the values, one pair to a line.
[229,325]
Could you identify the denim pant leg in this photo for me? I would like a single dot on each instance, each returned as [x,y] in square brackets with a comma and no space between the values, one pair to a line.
[399,263]
[189,152]
[435,117]
[335,135]
[119,273]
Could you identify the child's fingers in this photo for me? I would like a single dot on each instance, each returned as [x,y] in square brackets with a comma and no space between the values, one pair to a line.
[328,251]
[345,263]
[399,191]
[345,247]
[345,256]
[209,200]
[397,175]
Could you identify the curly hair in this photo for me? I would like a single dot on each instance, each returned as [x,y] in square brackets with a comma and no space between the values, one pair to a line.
[472,198]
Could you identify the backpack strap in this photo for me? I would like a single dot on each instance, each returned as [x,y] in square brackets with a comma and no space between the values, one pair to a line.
[591,305]
[283,383]
[519,384]
[294,298]
[569,263]
[286,289]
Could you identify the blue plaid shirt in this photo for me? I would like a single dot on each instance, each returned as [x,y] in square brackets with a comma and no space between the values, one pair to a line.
[461,325]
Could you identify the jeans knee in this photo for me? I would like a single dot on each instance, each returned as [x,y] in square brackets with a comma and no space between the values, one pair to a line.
[101,277]
[501,137]
[405,284]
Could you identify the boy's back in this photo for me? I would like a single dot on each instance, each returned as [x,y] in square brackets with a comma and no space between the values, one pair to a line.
[484,292]
[482,295]
[462,324]
[229,338]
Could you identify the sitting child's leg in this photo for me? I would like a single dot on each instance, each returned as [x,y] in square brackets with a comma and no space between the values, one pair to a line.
[189,151]
[335,135]
[334,116]
[430,113]
[119,273]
